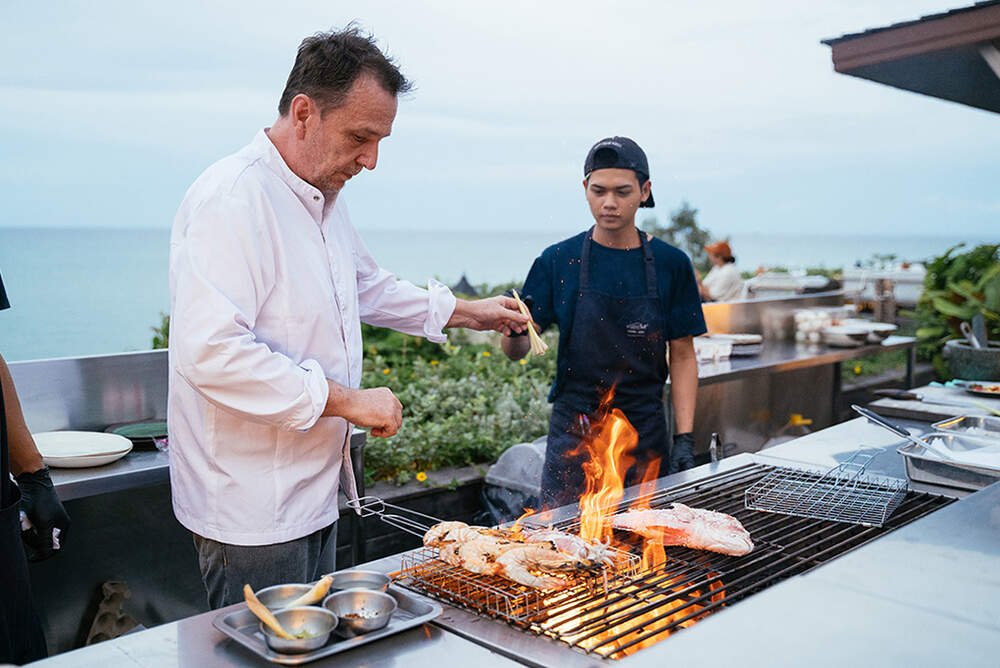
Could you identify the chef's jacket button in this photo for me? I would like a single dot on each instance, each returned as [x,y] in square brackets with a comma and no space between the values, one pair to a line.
[316,197]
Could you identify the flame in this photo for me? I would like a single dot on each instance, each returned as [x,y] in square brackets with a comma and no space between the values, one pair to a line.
[653,554]
[607,444]
[516,528]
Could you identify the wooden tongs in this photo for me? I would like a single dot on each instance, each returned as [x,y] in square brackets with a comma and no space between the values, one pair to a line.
[538,347]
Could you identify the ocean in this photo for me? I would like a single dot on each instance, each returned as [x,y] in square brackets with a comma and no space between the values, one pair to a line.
[94,291]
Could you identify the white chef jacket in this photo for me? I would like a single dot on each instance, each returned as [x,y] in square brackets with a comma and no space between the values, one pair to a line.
[269,283]
[724,283]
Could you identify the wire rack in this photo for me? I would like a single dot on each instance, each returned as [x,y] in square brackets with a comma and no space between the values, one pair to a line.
[841,494]
[423,571]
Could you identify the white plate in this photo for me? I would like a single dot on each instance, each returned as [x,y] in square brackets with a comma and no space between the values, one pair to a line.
[78,449]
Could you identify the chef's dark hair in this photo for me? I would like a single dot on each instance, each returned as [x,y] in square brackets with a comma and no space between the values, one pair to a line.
[328,64]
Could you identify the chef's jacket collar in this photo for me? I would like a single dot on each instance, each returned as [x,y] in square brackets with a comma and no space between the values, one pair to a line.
[311,197]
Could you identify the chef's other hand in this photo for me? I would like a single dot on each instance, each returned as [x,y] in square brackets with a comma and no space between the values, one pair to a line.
[377,408]
[45,514]
[682,453]
[497,313]
[529,303]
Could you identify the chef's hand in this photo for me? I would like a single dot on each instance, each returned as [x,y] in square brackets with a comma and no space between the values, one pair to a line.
[497,313]
[376,407]
[44,512]
[682,453]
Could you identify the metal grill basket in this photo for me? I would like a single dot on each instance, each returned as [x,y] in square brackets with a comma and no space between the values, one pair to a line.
[842,494]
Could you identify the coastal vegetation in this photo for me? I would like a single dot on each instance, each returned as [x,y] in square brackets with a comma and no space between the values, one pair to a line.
[959,285]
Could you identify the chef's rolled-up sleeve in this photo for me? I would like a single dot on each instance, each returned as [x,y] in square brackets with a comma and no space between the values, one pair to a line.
[386,301]
[222,275]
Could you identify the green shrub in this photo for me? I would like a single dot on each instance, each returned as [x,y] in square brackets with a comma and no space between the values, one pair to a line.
[463,404]
[957,287]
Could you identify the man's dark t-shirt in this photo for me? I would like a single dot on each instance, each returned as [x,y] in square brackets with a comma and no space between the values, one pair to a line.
[554,282]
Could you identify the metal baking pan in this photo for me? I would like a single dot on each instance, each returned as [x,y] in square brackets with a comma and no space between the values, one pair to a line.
[243,627]
[974,426]
[924,466]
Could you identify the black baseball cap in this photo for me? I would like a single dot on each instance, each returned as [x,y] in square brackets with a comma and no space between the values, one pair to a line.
[619,153]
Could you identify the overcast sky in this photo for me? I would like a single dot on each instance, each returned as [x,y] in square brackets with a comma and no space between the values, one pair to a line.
[109,110]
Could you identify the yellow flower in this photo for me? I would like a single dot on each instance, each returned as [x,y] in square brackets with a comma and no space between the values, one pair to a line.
[385,371]
[523,361]
[434,362]
[486,353]
[421,476]
[857,368]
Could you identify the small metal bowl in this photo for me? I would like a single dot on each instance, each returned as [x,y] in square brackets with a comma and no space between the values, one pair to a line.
[317,622]
[279,596]
[360,580]
[360,610]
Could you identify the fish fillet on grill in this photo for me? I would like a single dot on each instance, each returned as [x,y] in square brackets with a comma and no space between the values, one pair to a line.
[689,527]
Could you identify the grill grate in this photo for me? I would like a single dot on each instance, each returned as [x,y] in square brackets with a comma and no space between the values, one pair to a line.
[631,611]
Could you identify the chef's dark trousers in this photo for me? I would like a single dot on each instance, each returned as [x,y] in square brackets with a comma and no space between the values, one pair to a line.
[21,637]
[226,568]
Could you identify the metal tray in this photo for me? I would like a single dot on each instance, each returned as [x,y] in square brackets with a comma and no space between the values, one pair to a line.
[243,627]
[922,466]
[971,426]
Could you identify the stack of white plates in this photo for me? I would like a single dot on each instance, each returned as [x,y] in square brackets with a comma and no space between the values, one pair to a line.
[877,331]
[843,336]
[80,449]
[744,345]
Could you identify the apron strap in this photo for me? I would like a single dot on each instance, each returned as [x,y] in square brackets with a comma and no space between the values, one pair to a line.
[647,254]
[585,261]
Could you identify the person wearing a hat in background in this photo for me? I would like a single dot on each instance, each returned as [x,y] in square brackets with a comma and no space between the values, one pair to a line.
[723,282]
[21,636]
[621,299]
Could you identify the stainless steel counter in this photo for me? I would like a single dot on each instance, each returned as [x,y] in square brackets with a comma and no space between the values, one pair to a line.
[926,594]
[780,356]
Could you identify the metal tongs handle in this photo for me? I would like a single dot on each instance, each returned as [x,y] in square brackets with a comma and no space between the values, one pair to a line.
[899,431]
[410,521]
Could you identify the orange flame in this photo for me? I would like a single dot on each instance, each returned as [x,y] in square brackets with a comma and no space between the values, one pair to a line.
[516,529]
[607,444]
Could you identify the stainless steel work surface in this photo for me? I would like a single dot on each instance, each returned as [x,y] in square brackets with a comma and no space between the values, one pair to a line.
[139,468]
[195,643]
[786,355]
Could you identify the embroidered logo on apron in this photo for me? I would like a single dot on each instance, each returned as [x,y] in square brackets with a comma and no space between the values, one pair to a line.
[637,330]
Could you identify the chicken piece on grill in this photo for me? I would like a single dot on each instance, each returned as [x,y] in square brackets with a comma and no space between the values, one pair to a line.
[689,527]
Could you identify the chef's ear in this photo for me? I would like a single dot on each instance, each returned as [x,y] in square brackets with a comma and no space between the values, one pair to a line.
[301,108]
[647,187]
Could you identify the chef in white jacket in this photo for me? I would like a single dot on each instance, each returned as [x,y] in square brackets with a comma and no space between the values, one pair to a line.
[269,284]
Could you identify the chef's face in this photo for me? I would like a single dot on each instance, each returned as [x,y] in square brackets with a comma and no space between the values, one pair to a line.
[342,141]
[614,196]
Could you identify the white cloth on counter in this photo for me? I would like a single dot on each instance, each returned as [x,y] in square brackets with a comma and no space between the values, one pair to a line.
[724,283]
[269,283]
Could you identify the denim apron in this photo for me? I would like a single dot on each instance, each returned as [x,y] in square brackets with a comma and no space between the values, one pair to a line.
[614,342]
[21,636]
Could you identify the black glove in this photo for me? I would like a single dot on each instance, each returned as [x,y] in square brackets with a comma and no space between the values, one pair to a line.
[45,513]
[529,303]
[682,453]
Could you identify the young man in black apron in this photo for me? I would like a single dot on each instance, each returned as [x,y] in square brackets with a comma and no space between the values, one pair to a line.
[21,637]
[620,299]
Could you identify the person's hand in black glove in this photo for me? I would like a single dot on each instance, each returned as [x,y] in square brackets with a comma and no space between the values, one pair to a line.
[682,453]
[528,303]
[47,520]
